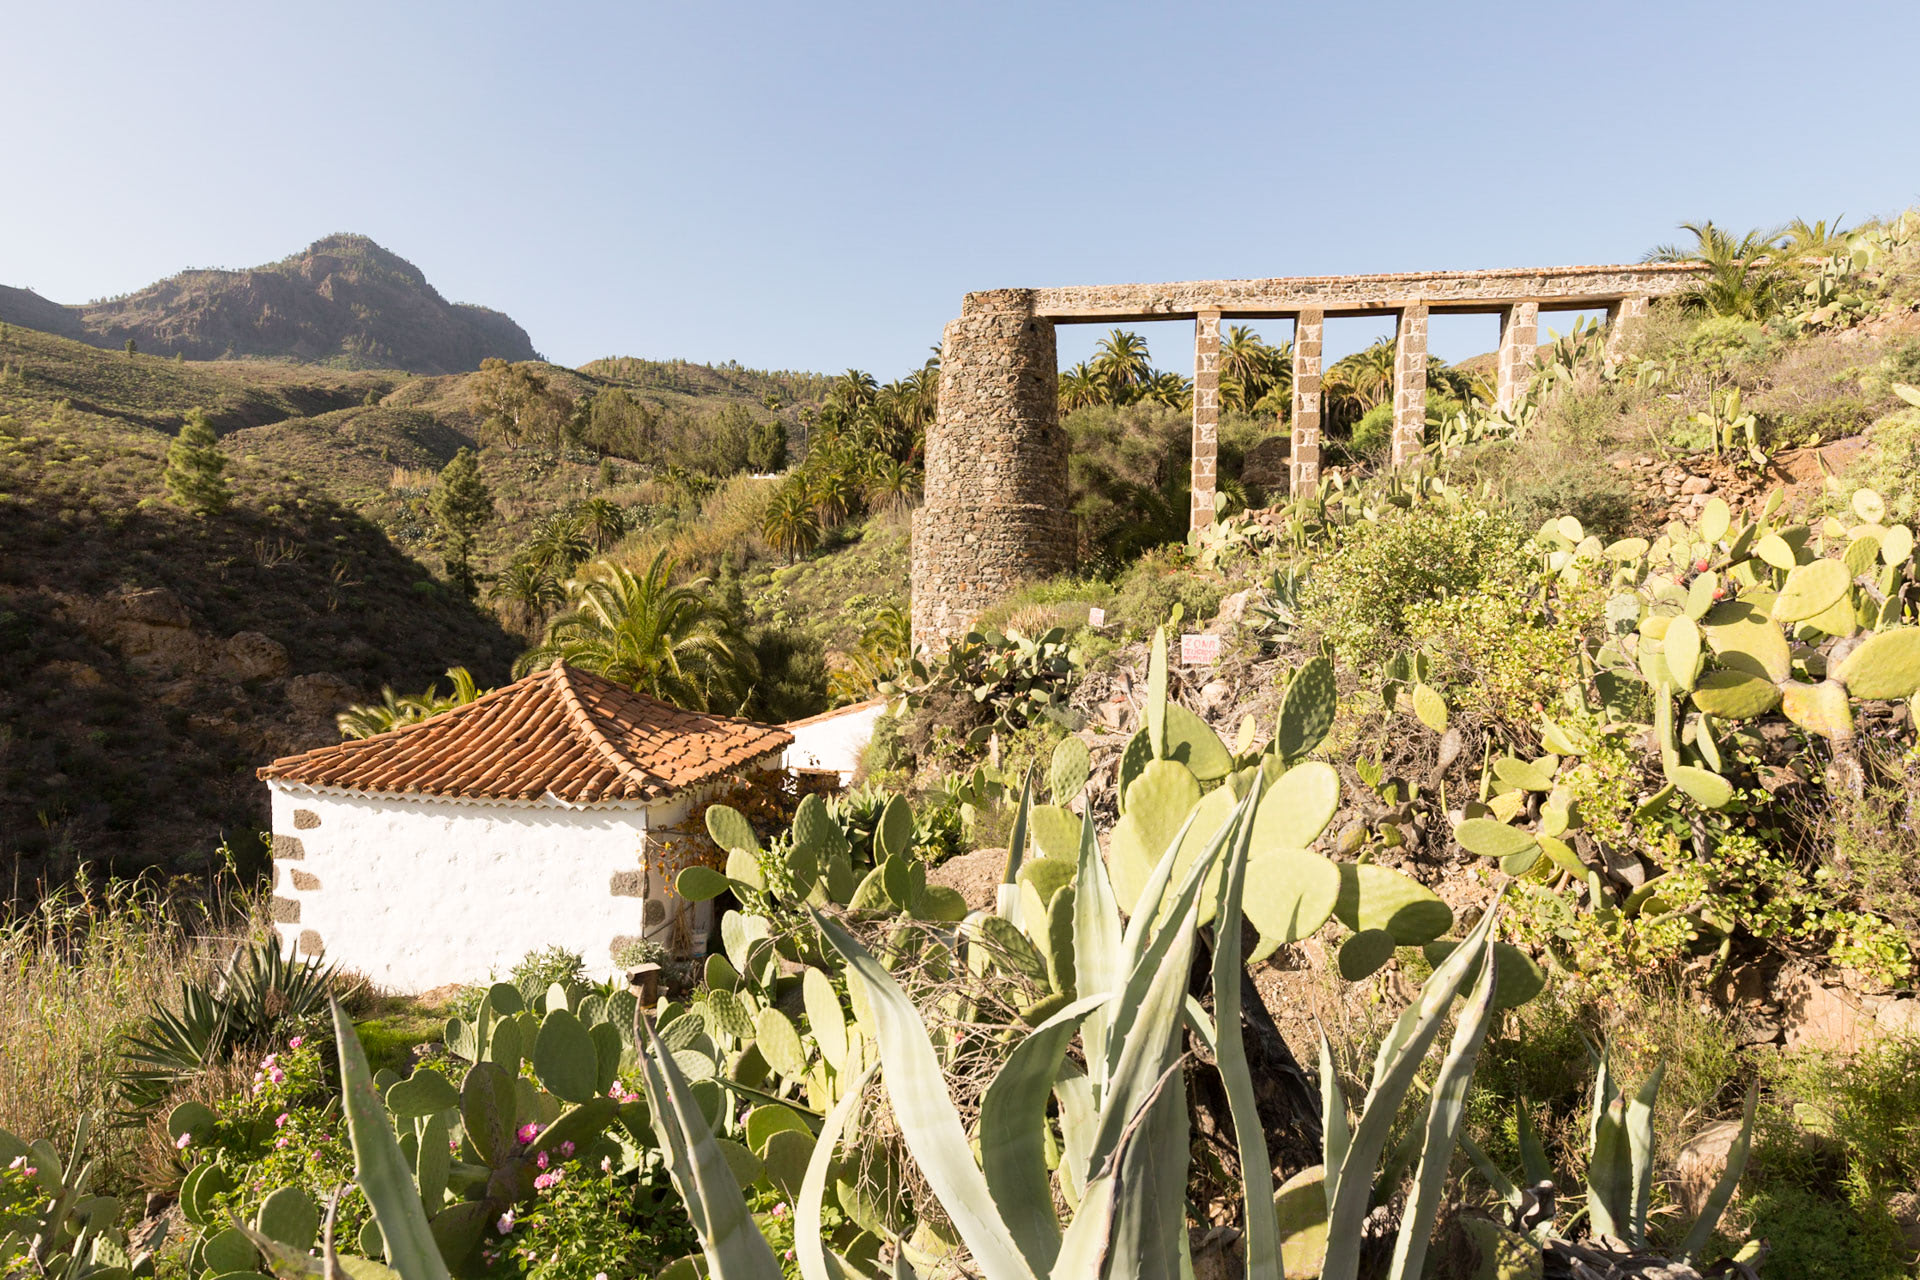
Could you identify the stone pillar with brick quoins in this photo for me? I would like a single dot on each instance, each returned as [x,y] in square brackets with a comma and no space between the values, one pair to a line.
[996,467]
[1206,415]
[1410,383]
[1519,337]
[1622,319]
[1305,466]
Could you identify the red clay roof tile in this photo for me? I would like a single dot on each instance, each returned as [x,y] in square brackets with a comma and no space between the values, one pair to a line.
[560,731]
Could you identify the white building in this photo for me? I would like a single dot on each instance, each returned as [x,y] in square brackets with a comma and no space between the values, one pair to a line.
[545,812]
[833,741]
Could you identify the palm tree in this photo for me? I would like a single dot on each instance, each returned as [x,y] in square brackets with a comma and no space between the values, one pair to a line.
[529,592]
[643,631]
[1803,239]
[884,649]
[1120,362]
[1362,380]
[891,484]
[604,522]
[1743,277]
[394,710]
[1249,362]
[833,493]
[559,542]
[1081,388]
[1169,389]
[853,390]
[791,526]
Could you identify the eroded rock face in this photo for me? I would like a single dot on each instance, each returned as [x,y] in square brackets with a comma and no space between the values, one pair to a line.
[252,656]
[320,695]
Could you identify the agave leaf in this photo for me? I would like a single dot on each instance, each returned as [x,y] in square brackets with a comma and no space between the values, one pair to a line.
[926,1115]
[1640,1151]
[1395,1072]
[809,1247]
[1230,1053]
[379,1166]
[1012,1132]
[1336,1135]
[1097,955]
[1729,1179]
[1444,1115]
[734,1247]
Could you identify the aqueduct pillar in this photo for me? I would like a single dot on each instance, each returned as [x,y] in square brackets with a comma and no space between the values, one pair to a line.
[1519,336]
[996,484]
[1304,459]
[1410,383]
[1206,417]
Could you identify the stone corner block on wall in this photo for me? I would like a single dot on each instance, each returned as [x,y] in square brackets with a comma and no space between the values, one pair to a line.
[285,910]
[289,847]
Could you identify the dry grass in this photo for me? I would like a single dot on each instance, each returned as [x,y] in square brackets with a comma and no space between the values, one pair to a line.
[75,974]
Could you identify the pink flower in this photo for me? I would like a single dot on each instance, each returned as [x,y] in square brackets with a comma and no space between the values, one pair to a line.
[566,1151]
[280,1141]
[599,1275]
[280,1121]
[780,1210]
[179,1144]
[540,1161]
[270,1060]
[505,1222]
[296,1042]
[453,1145]
[606,1164]
[277,1076]
[528,1132]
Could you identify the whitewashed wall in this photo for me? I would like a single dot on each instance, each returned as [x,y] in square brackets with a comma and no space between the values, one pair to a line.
[419,893]
[835,740]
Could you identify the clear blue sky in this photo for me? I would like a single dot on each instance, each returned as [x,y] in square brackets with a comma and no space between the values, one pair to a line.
[815,185]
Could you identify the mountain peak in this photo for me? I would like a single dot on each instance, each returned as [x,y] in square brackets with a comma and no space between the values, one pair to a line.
[344,300]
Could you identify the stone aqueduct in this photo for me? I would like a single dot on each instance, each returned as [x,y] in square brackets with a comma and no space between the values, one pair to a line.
[996,457]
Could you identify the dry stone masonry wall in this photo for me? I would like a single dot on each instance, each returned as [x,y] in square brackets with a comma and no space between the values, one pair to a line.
[996,483]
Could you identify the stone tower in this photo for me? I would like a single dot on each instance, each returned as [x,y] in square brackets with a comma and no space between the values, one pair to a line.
[996,485]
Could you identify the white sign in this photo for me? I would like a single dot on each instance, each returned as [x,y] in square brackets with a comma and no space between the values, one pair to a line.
[1199,650]
[1096,617]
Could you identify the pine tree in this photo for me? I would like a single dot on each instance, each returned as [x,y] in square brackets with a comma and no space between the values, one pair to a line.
[461,504]
[194,466]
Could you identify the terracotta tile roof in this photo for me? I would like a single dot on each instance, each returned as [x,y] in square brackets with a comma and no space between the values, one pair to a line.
[560,731]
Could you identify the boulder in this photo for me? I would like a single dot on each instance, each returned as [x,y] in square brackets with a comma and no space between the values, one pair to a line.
[252,656]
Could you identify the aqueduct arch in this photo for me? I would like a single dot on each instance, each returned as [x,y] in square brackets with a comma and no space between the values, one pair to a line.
[996,483]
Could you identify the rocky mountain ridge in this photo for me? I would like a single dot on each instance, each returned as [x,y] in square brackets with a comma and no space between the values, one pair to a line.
[343,300]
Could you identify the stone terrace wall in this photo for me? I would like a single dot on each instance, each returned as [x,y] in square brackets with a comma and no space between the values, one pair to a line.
[1486,290]
[996,484]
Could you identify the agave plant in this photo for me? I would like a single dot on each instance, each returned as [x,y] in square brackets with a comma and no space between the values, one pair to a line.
[260,991]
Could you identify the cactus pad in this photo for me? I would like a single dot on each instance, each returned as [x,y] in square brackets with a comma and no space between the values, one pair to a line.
[1886,665]
[1374,897]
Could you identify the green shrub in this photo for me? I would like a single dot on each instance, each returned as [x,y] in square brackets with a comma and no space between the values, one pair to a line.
[1891,465]
[540,969]
[1373,434]
[587,1222]
[1822,1237]
[1145,595]
[1499,652]
[1359,596]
